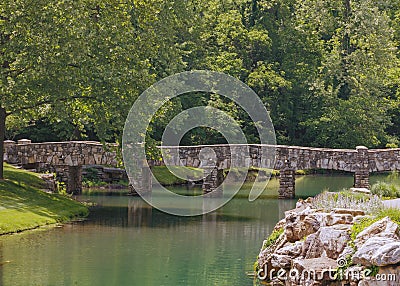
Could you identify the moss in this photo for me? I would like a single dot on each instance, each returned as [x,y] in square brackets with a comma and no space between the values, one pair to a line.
[272,238]
[24,206]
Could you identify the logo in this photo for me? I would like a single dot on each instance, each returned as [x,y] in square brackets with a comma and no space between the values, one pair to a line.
[143,113]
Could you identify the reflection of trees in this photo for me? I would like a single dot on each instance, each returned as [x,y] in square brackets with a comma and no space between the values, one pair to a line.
[139,214]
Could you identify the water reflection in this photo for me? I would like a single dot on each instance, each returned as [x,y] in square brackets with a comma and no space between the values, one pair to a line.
[126,242]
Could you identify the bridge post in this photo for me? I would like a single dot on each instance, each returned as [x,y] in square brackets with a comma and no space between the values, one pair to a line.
[74,183]
[10,152]
[143,184]
[361,174]
[213,178]
[287,176]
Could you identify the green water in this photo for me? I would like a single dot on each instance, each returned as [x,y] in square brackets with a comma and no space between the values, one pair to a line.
[126,242]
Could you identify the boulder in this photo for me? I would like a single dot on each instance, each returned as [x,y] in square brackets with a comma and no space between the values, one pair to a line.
[388,254]
[312,247]
[349,211]
[382,228]
[300,225]
[312,271]
[334,239]
[291,249]
[373,248]
[281,261]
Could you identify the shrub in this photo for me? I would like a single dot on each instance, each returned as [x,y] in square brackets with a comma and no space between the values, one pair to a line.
[384,189]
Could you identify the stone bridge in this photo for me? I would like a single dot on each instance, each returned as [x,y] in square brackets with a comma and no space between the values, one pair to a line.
[63,158]
[360,161]
[67,158]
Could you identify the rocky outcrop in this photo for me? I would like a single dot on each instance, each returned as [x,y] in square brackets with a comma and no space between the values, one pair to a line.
[315,248]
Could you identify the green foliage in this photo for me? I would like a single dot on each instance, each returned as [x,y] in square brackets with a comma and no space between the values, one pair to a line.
[272,238]
[24,206]
[388,190]
[328,71]
[393,214]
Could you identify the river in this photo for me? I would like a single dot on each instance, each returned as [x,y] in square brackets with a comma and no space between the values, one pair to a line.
[126,242]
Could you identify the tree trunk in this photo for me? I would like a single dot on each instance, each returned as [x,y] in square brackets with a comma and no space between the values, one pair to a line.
[3,116]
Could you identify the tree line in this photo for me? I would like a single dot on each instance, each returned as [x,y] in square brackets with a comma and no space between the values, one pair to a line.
[327,71]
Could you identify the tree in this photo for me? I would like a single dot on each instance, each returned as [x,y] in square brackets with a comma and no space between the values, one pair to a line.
[86,59]
[358,51]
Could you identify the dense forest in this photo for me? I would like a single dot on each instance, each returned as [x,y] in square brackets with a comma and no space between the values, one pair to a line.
[327,71]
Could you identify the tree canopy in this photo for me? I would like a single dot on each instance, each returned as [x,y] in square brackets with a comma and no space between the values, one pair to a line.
[328,71]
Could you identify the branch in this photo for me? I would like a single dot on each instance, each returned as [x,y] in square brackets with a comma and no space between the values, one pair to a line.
[51,102]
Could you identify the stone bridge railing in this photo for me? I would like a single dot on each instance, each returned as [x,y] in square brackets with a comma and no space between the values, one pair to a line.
[67,159]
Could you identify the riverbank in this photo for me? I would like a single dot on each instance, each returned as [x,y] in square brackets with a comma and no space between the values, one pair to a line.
[24,206]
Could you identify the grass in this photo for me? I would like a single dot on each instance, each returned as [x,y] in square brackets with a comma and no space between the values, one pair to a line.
[24,206]
[166,178]
[393,214]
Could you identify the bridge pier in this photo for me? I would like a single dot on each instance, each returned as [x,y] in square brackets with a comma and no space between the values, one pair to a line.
[287,177]
[74,180]
[143,184]
[361,174]
[213,179]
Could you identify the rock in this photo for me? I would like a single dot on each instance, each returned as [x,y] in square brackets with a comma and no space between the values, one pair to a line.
[312,247]
[280,224]
[360,190]
[371,248]
[310,271]
[281,261]
[265,256]
[387,254]
[333,219]
[291,249]
[334,239]
[383,228]
[300,225]
[349,211]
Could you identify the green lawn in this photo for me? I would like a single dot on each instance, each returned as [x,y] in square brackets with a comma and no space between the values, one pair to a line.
[24,206]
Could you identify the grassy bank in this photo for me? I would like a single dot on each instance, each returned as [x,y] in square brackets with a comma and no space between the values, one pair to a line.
[24,206]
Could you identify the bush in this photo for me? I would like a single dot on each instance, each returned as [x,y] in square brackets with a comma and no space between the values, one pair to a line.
[383,189]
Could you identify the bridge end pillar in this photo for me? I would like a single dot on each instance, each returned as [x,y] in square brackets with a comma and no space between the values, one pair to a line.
[287,178]
[361,174]
[213,178]
[10,152]
[74,183]
[143,184]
